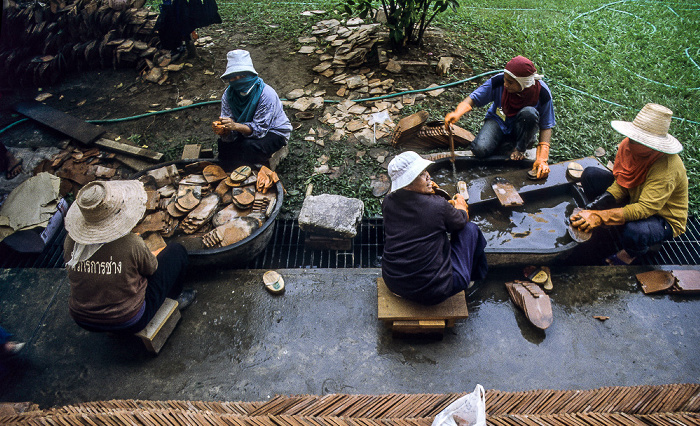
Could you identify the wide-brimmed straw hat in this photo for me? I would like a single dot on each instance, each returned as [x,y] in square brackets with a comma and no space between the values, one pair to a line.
[105,211]
[405,167]
[650,128]
[238,61]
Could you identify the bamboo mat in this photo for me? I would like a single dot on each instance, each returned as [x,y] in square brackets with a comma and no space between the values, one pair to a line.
[677,404]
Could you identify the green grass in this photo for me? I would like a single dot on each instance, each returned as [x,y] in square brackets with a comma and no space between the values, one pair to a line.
[603,61]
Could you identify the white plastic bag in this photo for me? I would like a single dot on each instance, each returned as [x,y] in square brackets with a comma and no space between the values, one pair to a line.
[469,410]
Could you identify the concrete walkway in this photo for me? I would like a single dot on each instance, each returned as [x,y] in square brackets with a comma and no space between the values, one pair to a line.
[240,343]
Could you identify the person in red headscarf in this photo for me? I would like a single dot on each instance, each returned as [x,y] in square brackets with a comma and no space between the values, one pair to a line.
[521,107]
[647,191]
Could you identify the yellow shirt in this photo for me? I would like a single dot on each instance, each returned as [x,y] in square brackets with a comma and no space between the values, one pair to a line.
[664,193]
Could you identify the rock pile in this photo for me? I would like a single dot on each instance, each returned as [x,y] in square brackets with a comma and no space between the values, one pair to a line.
[206,208]
[42,41]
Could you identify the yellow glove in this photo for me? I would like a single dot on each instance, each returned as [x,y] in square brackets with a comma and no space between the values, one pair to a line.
[454,116]
[266,178]
[540,166]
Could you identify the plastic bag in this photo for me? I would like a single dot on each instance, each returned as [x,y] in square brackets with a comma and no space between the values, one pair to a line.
[469,410]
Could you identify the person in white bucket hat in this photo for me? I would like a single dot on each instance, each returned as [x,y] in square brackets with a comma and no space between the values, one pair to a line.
[252,124]
[431,249]
[116,283]
[647,190]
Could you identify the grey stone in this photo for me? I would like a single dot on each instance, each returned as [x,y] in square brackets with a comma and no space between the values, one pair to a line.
[331,215]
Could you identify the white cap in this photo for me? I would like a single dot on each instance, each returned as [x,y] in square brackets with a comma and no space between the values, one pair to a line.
[405,168]
[238,61]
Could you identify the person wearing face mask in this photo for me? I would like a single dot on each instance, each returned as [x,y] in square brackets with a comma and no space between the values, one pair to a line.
[431,249]
[252,125]
[521,106]
[647,191]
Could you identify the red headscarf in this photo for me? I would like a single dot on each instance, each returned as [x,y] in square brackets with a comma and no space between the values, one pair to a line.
[512,103]
[632,163]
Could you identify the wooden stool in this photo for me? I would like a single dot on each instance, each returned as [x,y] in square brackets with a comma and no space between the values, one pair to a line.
[409,317]
[161,326]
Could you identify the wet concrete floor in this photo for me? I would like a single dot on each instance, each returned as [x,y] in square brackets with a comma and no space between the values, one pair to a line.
[237,342]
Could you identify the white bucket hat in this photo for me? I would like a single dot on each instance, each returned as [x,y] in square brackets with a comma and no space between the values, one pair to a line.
[650,128]
[405,167]
[238,61]
[105,211]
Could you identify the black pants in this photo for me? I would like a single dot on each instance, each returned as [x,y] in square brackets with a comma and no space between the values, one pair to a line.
[165,282]
[249,151]
[638,235]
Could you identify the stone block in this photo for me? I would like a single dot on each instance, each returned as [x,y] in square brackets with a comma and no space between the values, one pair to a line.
[331,216]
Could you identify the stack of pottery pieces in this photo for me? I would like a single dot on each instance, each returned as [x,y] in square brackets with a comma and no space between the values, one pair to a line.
[239,175]
[274,283]
[231,232]
[242,198]
[201,214]
[214,173]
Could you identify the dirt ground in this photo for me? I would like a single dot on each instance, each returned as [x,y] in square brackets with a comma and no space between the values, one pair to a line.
[107,94]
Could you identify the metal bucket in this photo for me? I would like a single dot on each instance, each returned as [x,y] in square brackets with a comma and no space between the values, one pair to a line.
[240,253]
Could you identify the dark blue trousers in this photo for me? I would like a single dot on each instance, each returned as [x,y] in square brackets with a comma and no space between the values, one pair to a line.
[468,256]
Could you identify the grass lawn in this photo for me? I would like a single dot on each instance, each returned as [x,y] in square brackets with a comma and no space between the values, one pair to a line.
[603,60]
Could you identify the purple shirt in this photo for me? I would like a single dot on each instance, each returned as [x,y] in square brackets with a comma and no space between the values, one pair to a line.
[416,260]
[492,90]
[269,116]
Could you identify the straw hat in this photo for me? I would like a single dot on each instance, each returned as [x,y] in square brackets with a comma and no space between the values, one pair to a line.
[238,61]
[405,167]
[105,211]
[650,128]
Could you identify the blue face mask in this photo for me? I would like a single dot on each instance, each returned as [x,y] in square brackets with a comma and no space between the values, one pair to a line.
[243,85]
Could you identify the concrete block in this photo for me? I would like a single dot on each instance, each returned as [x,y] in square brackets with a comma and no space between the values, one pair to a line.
[331,216]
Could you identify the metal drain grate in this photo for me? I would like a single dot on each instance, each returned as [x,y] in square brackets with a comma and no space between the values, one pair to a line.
[287,250]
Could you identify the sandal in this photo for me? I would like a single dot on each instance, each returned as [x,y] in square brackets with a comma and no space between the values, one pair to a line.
[15,170]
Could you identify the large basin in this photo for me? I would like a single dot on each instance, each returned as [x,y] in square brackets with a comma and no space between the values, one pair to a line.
[237,254]
[534,233]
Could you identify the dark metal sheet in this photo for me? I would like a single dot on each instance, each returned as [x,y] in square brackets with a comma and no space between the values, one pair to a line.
[68,125]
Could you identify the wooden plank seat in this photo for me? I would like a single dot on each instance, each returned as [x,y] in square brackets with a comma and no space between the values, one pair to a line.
[409,317]
[155,334]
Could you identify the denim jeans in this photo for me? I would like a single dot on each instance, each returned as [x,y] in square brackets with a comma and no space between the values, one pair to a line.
[638,235]
[490,138]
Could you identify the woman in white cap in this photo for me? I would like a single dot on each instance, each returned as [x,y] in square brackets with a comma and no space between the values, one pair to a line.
[420,261]
[252,125]
[646,192]
[521,106]
[116,283]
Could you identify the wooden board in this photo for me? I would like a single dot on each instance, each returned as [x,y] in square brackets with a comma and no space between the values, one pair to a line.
[161,326]
[135,151]
[506,193]
[76,128]
[394,308]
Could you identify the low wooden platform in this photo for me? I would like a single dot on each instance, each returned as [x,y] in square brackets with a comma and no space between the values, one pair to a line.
[409,317]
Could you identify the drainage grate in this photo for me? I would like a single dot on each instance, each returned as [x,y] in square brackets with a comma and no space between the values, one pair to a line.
[287,250]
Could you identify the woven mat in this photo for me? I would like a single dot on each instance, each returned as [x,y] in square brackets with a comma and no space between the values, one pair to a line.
[638,405]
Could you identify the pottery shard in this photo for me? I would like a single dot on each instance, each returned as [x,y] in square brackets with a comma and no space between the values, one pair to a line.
[152,200]
[165,175]
[302,104]
[155,222]
[355,81]
[188,197]
[214,173]
[444,65]
[323,66]
[393,66]
[295,94]
[227,214]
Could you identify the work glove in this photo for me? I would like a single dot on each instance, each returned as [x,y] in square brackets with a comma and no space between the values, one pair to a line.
[540,166]
[604,201]
[459,203]
[454,116]
[266,178]
[587,220]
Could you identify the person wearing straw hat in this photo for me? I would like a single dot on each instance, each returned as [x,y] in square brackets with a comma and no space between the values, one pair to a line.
[421,262]
[252,125]
[521,106]
[647,191]
[116,283]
